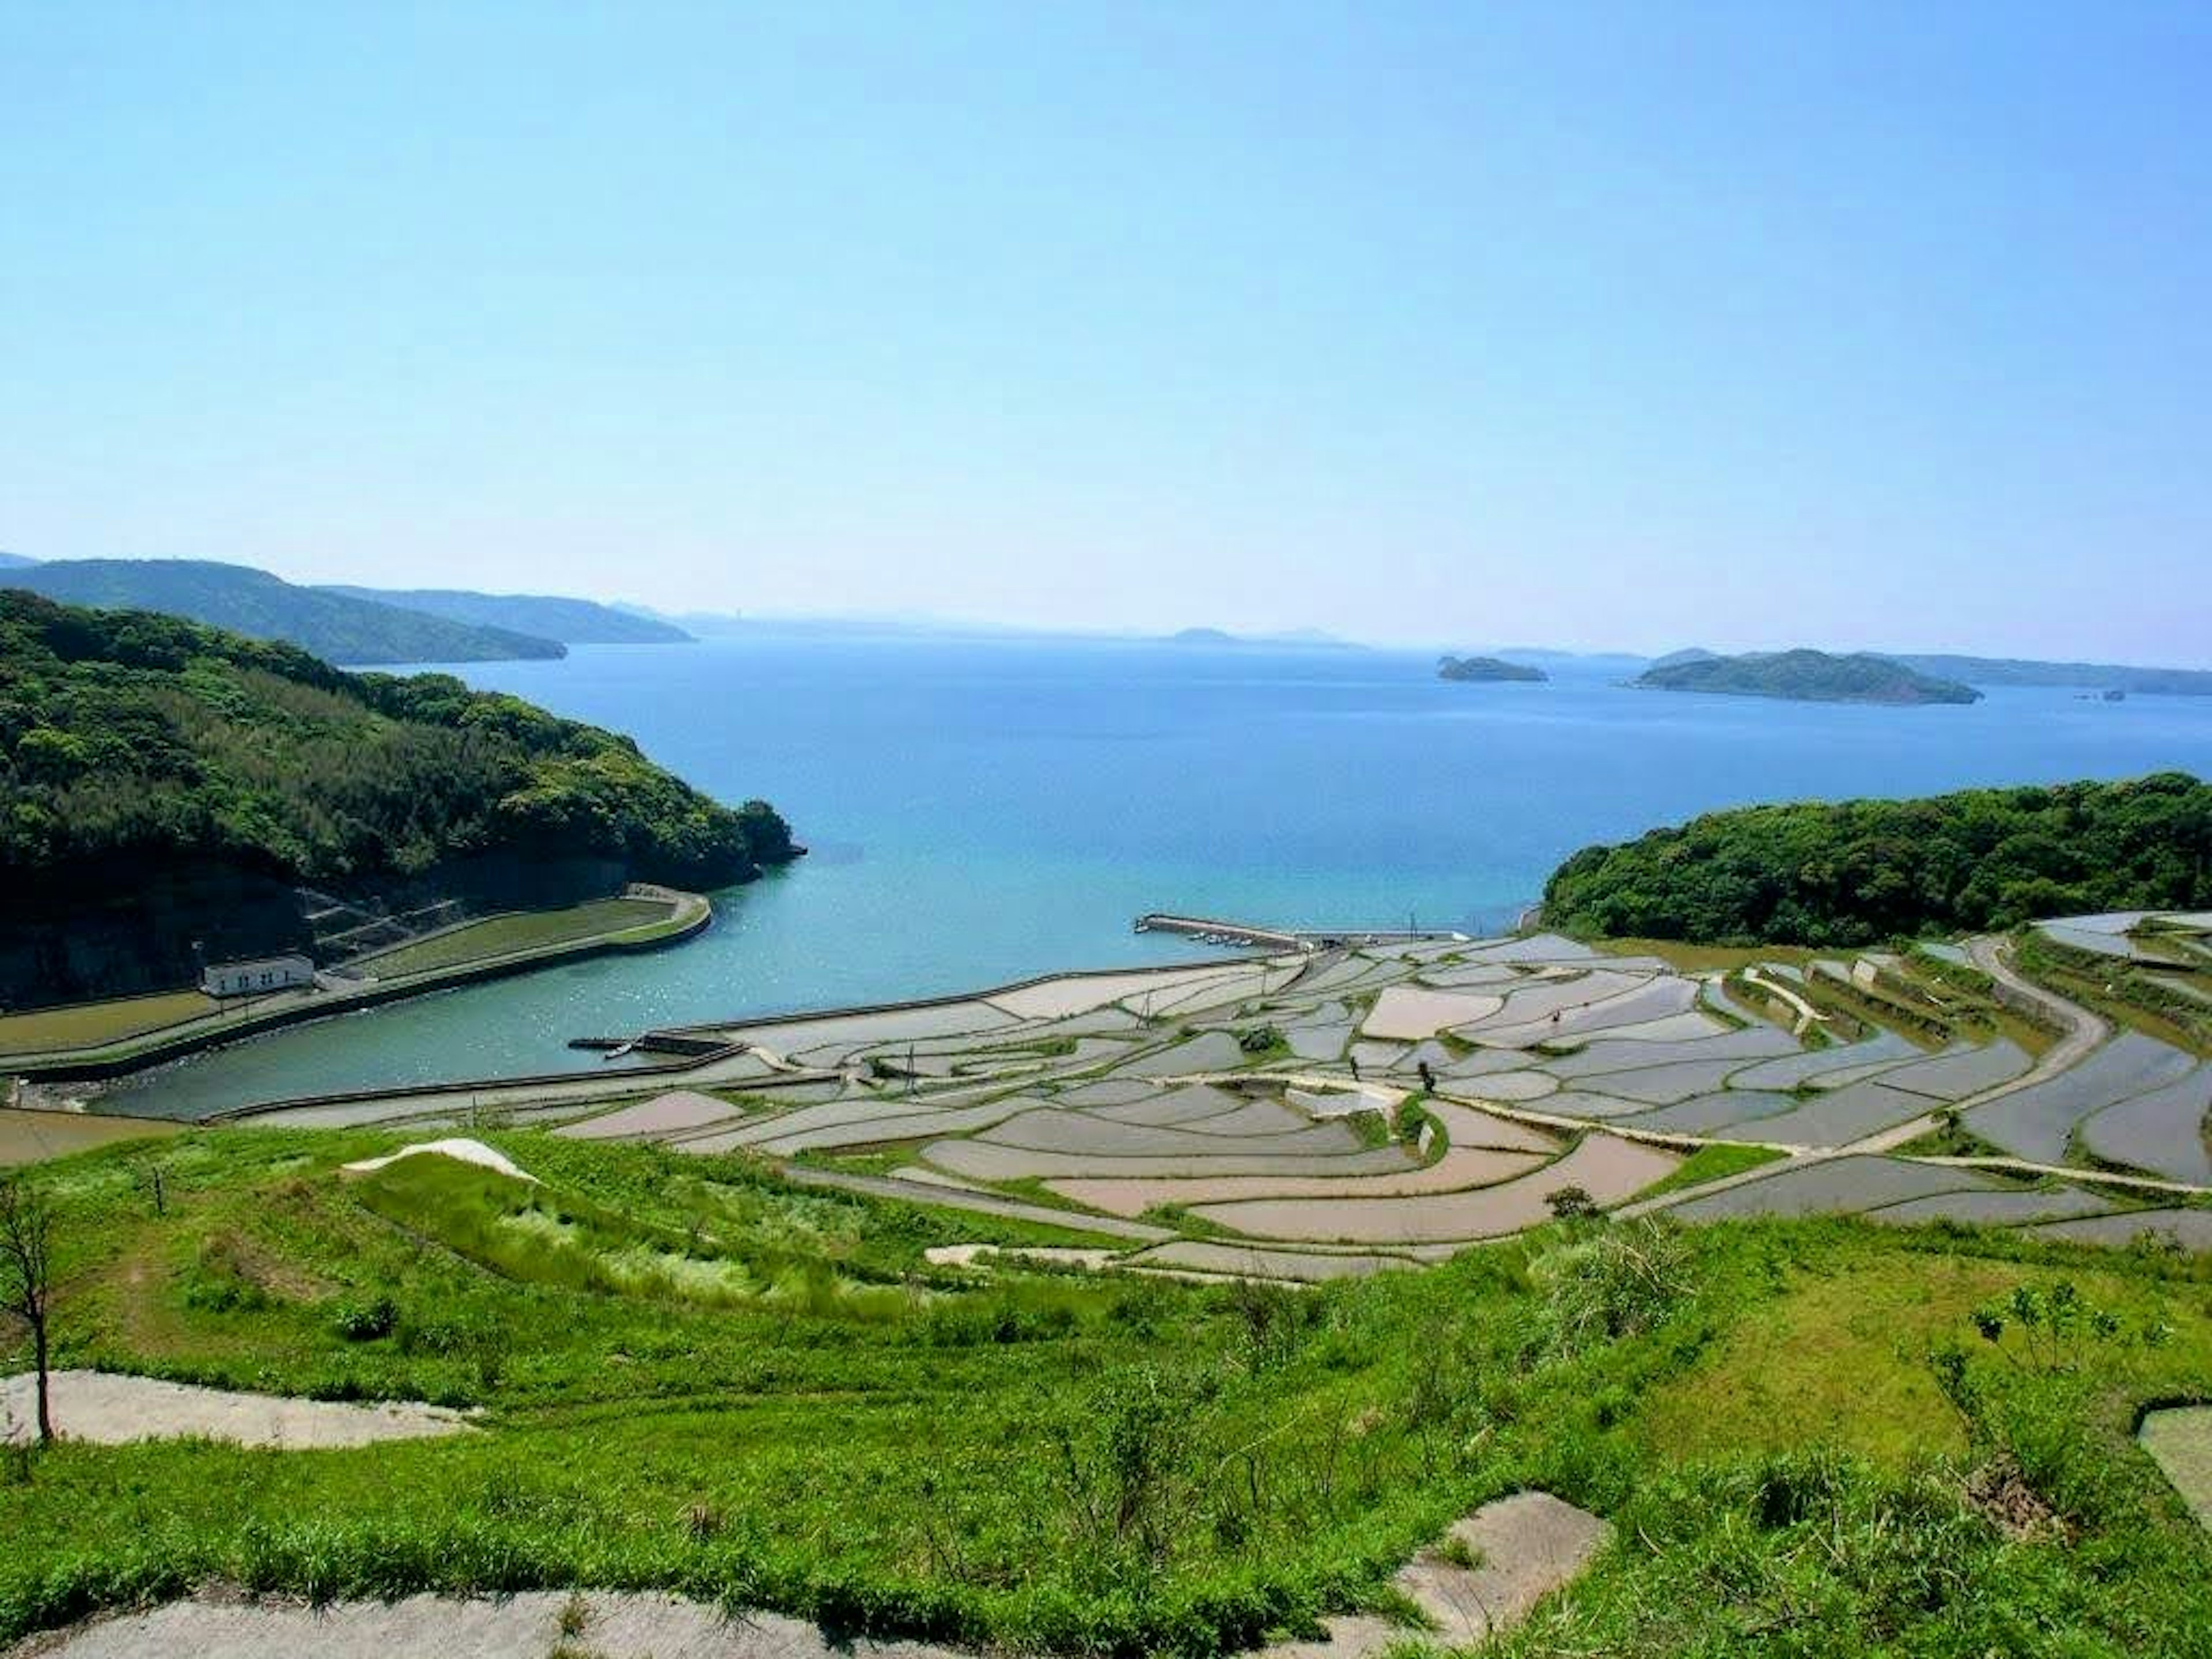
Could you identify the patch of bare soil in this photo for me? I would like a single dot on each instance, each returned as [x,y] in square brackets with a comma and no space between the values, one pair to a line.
[2001,1492]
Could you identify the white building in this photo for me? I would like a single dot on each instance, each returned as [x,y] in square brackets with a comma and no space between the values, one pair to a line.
[250,979]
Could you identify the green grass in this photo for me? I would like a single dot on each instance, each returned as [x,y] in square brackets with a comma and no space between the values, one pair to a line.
[1714,1161]
[86,1024]
[695,1376]
[521,930]
[1950,1138]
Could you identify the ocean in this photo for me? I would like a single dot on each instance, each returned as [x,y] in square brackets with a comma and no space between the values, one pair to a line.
[979,811]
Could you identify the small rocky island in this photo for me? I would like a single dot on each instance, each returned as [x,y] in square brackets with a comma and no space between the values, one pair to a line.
[1486,668]
[1807,676]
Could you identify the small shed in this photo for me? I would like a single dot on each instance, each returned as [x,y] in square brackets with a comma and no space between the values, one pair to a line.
[253,978]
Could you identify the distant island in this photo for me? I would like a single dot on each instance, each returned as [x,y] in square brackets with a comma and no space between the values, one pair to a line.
[2086,676]
[1857,873]
[1486,668]
[572,622]
[2022,670]
[335,626]
[1807,676]
[1297,638]
[170,790]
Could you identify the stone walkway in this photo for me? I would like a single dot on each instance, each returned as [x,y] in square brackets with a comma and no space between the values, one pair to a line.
[1522,1547]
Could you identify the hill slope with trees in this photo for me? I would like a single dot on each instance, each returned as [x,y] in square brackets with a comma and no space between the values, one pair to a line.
[1806,677]
[1855,873]
[572,622]
[163,783]
[334,626]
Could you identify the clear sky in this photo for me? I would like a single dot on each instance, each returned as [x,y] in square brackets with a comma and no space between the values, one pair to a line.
[1627,325]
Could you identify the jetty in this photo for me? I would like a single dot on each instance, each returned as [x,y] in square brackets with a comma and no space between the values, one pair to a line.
[1211,930]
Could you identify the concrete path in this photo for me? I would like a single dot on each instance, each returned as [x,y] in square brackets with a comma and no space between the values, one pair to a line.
[1523,1547]
[112,1411]
[534,1625]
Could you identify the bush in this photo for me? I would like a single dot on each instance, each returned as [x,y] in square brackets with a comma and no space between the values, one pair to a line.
[1617,1283]
[366,1321]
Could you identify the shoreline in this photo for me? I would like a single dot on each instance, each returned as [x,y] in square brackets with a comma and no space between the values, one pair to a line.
[691,914]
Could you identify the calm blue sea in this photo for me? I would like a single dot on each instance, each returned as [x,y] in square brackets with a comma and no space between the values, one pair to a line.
[982,811]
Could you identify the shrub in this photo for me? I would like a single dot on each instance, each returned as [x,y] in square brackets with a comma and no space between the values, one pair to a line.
[366,1321]
[1570,1203]
[1617,1283]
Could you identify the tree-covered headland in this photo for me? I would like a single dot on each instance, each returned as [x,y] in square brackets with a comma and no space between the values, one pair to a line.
[1854,872]
[164,783]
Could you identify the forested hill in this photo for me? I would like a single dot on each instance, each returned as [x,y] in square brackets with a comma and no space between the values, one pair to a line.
[162,782]
[572,622]
[1856,873]
[333,626]
[1807,676]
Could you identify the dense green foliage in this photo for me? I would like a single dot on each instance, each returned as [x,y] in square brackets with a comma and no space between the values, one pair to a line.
[1486,668]
[330,625]
[1856,873]
[1807,676]
[694,1376]
[572,622]
[132,736]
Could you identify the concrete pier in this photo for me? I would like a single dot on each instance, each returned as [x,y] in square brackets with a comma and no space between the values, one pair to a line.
[1215,931]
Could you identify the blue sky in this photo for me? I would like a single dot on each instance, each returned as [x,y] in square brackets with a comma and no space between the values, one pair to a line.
[1619,325]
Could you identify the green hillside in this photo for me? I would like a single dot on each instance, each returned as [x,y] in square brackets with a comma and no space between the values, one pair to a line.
[694,1377]
[572,622]
[161,781]
[1855,873]
[1806,677]
[333,626]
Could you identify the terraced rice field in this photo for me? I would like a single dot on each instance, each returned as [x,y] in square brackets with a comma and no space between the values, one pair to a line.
[1127,1102]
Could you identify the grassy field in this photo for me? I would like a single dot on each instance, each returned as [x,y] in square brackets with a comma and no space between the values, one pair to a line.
[83,1025]
[695,1376]
[521,930]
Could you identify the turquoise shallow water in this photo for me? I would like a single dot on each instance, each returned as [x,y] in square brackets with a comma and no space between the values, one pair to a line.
[979,812]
